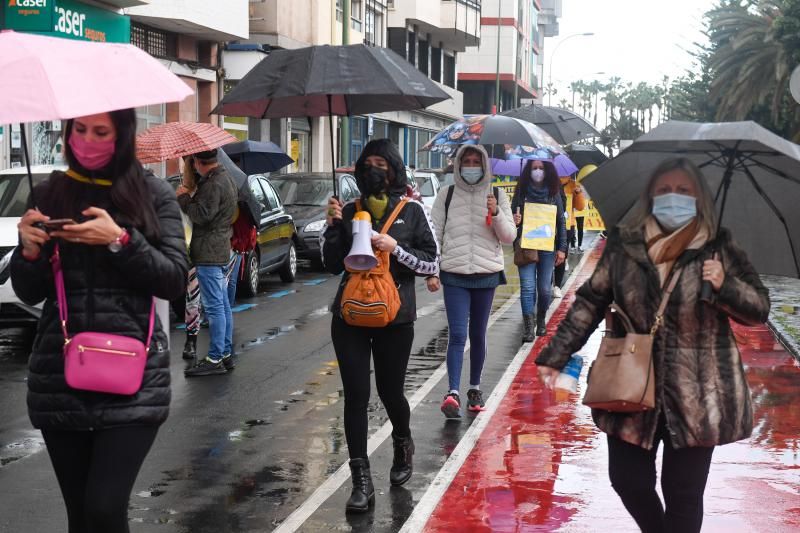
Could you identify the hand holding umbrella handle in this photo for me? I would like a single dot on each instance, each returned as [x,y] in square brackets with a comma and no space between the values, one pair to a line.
[706,290]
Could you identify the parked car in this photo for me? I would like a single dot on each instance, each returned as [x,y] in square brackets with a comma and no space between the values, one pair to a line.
[277,239]
[305,196]
[14,192]
[428,183]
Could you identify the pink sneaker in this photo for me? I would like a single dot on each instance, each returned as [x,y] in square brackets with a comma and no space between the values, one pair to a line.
[451,406]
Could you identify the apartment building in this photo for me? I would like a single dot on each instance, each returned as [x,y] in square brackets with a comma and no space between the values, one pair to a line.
[510,55]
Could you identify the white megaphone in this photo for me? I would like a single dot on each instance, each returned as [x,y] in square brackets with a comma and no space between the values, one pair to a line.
[361,256]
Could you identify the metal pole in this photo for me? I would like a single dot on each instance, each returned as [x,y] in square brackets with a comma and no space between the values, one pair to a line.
[344,122]
[497,73]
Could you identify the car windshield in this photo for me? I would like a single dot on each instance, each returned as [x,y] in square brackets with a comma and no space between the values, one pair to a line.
[425,184]
[14,192]
[304,190]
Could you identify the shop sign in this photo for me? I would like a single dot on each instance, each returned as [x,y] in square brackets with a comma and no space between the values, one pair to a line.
[67,18]
[29,15]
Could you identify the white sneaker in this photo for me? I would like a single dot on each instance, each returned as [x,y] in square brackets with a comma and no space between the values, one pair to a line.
[557,292]
[566,266]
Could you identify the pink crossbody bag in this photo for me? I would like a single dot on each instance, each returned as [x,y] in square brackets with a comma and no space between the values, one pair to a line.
[100,362]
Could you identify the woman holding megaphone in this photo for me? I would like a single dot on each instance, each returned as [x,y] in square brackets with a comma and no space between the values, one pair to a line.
[411,248]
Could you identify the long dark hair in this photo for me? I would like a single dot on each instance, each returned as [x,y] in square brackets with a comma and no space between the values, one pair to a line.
[551,180]
[129,192]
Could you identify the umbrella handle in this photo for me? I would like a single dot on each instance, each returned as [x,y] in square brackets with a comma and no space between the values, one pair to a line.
[488,218]
[706,290]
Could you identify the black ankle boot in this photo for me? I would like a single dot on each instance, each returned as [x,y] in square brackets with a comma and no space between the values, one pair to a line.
[190,348]
[527,328]
[363,495]
[541,328]
[403,466]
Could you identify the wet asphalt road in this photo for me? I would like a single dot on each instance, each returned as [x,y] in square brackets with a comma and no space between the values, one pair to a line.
[240,452]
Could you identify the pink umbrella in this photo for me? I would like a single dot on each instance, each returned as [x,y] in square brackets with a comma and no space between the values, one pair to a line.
[176,139]
[50,78]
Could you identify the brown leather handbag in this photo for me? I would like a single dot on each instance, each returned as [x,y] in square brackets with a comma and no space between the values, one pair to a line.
[621,378]
[524,256]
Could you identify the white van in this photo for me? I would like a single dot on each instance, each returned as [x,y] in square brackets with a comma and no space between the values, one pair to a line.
[14,192]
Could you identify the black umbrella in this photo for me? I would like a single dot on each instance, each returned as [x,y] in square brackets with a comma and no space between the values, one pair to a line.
[242,184]
[586,154]
[330,80]
[754,173]
[563,125]
[255,157]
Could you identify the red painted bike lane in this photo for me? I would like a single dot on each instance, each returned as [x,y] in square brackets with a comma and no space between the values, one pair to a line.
[541,464]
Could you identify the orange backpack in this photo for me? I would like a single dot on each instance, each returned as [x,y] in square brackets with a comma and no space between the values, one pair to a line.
[370,298]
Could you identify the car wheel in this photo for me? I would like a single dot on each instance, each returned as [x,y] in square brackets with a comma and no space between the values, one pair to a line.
[288,270]
[252,278]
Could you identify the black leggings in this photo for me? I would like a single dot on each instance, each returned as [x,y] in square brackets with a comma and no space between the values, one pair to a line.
[96,471]
[684,472]
[390,348]
[579,224]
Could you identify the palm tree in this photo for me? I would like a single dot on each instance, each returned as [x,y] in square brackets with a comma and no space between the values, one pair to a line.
[750,66]
[564,103]
[575,87]
[595,87]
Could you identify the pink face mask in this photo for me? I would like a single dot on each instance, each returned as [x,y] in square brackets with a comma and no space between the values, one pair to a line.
[91,155]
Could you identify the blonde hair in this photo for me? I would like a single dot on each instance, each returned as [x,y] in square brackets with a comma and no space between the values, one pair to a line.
[706,212]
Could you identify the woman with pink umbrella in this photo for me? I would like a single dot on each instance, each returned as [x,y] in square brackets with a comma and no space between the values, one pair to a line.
[100,243]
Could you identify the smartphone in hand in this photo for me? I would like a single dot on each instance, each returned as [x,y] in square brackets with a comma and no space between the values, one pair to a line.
[55,224]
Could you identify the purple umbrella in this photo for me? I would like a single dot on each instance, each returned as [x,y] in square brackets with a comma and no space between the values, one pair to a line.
[513,167]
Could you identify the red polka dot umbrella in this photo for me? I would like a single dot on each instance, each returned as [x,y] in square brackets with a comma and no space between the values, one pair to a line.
[177,139]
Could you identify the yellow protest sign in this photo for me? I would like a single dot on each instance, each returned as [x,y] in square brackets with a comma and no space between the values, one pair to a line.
[539,227]
[591,218]
[570,214]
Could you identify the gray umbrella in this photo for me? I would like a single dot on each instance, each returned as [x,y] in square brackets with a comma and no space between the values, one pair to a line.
[563,125]
[330,80]
[754,174]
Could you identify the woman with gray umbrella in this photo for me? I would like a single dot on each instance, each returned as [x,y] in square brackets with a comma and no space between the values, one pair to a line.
[701,398]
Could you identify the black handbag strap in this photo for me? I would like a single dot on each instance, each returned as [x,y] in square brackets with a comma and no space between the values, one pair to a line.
[626,322]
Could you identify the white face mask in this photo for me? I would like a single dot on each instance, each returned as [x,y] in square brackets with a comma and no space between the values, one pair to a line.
[472,175]
[674,210]
[537,175]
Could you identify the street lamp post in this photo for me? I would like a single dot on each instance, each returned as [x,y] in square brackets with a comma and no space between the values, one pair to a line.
[553,55]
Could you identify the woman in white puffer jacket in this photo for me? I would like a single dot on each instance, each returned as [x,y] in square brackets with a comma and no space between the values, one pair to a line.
[471,265]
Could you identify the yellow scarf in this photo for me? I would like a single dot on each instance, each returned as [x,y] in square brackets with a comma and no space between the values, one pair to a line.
[377,205]
[83,179]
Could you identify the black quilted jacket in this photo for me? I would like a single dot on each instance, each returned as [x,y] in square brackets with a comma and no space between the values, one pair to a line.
[106,292]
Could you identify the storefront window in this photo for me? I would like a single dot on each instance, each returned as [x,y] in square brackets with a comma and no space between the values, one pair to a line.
[236,126]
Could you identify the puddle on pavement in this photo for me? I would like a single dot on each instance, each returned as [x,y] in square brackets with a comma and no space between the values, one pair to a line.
[426,360]
[269,335]
[22,448]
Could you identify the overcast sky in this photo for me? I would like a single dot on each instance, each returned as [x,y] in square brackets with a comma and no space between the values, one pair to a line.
[638,40]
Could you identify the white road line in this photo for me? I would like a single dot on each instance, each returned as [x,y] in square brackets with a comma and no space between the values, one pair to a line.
[428,501]
[434,493]
[332,484]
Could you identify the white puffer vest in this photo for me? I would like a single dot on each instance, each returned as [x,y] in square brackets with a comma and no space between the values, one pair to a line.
[468,245]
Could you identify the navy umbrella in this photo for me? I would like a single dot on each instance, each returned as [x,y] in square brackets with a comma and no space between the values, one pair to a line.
[246,197]
[255,157]
[330,80]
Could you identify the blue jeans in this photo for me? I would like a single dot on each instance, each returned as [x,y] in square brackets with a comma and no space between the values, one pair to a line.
[467,310]
[232,275]
[537,276]
[214,292]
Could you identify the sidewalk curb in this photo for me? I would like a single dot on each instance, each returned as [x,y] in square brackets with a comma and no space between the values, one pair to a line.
[784,337]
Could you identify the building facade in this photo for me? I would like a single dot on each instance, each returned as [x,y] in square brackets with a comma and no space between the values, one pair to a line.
[509,55]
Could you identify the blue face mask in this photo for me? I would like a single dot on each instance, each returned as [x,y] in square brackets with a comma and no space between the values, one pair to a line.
[674,210]
[472,175]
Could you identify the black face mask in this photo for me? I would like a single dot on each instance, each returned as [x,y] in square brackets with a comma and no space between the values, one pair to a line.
[374,180]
